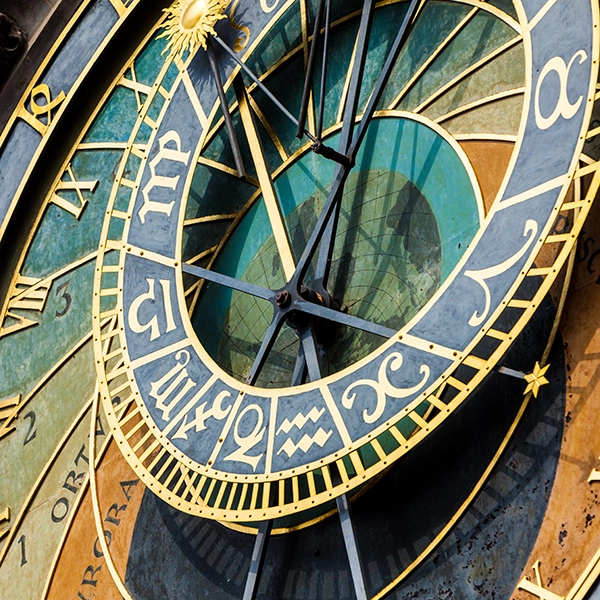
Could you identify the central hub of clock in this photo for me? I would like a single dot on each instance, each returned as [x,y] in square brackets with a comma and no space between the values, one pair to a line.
[403,226]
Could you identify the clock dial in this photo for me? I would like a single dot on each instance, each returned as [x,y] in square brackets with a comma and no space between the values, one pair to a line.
[251,318]
[218,448]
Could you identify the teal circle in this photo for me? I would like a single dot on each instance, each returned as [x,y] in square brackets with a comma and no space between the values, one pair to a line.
[408,214]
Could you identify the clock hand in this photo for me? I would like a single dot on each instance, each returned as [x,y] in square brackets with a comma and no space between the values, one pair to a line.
[283,312]
[309,350]
[266,183]
[261,85]
[235,147]
[299,374]
[258,557]
[265,347]
[318,147]
[310,71]
[341,318]
[350,110]
[310,357]
[342,173]
[342,503]
[324,70]
[230,282]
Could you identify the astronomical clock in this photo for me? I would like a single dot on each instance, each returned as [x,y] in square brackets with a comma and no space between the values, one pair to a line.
[299,299]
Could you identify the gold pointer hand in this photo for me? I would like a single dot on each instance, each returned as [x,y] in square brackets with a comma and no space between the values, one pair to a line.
[266,184]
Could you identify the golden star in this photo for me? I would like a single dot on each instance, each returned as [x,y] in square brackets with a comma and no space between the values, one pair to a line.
[536,379]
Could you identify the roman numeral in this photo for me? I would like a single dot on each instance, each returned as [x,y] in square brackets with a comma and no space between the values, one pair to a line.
[72,186]
[139,88]
[537,589]
[29,293]
[9,409]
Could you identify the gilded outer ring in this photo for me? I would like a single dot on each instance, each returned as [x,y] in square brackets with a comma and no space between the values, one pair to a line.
[201,489]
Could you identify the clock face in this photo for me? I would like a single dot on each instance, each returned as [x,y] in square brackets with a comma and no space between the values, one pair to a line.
[227,318]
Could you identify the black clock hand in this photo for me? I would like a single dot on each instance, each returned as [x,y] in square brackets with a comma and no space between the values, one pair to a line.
[235,147]
[317,147]
[324,70]
[310,70]
[283,310]
[265,348]
[342,503]
[350,110]
[342,173]
[230,282]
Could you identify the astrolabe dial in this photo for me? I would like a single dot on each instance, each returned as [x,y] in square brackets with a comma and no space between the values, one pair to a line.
[305,234]
[233,450]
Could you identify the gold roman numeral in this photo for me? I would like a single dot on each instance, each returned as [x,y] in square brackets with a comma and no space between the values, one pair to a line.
[132,83]
[537,589]
[29,293]
[9,409]
[72,186]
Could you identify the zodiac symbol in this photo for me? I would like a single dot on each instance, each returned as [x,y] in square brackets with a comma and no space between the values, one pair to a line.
[481,276]
[383,387]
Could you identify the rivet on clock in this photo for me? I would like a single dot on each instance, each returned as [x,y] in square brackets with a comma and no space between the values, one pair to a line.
[431,346]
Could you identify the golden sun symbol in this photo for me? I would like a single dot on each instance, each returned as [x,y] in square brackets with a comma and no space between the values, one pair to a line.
[190,22]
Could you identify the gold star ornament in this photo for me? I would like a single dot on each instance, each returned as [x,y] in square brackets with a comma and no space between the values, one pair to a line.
[536,379]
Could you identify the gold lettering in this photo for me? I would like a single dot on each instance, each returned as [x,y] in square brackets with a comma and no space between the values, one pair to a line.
[136,86]
[33,117]
[72,186]
[240,42]
[482,275]
[155,180]
[9,409]
[383,387]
